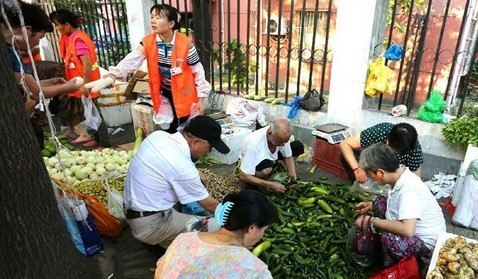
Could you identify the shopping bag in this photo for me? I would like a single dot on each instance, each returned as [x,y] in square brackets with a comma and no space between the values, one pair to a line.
[91,113]
[106,223]
[432,110]
[379,78]
[312,101]
[406,268]
[366,242]
[88,231]
[115,202]
[394,52]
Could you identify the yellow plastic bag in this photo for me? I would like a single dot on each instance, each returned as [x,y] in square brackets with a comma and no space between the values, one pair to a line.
[378,80]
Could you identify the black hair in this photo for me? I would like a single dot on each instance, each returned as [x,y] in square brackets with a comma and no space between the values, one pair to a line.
[33,15]
[64,16]
[403,138]
[250,208]
[169,12]
[379,156]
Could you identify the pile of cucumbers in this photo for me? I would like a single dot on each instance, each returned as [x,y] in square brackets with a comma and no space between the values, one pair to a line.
[270,100]
[309,239]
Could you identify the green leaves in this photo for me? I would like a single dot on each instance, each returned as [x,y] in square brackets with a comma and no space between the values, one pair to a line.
[462,131]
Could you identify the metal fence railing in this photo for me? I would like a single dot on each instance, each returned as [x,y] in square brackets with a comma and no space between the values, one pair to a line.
[430,32]
[270,48]
[106,23]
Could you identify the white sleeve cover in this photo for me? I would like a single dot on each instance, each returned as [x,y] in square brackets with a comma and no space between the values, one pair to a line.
[129,64]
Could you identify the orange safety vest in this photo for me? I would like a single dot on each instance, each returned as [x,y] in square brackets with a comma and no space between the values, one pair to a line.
[73,64]
[183,87]
[36,58]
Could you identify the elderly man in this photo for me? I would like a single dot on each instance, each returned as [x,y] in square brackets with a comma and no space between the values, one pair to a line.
[263,148]
[162,173]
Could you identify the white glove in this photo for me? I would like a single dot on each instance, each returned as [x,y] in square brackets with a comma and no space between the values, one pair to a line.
[97,85]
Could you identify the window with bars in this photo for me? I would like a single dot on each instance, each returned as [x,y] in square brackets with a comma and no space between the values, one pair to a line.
[307,22]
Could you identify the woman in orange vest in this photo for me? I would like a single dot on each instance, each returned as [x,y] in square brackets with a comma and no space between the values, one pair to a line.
[78,52]
[174,69]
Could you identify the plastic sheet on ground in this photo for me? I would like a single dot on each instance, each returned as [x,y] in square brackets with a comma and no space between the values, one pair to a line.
[442,185]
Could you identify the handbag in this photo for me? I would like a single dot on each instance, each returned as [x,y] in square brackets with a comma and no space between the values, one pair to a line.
[312,101]
[366,242]
[406,268]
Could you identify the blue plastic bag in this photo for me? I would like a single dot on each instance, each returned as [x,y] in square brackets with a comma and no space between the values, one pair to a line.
[294,107]
[194,208]
[89,234]
[394,52]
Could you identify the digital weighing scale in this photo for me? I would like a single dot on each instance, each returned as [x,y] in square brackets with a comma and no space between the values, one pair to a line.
[223,119]
[333,132]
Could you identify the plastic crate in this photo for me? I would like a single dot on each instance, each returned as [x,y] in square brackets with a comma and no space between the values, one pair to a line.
[327,157]
[142,116]
[234,142]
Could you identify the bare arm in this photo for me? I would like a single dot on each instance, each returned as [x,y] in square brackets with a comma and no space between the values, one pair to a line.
[48,91]
[209,204]
[347,147]
[403,227]
[289,163]
[86,60]
[274,186]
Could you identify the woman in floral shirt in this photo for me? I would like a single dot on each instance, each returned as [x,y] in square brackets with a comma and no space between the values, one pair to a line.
[223,254]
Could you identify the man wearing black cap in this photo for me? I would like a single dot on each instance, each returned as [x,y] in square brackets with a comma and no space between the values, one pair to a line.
[163,173]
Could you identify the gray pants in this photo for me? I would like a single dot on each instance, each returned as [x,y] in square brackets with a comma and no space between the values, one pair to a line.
[163,227]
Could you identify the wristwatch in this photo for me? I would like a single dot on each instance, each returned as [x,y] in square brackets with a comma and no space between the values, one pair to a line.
[372,228]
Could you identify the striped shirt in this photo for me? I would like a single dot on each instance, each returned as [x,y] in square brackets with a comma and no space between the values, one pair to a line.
[164,61]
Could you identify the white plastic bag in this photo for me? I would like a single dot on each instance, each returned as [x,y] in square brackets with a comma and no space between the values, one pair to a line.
[92,115]
[115,202]
[165,115]
[465,211]
[245,114]
[193,113]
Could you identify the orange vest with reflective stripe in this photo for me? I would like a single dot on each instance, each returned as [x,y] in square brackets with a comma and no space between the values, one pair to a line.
[183,87]
[73,64]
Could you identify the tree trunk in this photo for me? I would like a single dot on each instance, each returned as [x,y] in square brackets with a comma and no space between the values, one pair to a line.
[34,240]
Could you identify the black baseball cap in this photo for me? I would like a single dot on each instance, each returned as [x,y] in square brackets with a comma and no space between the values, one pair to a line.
[206,128]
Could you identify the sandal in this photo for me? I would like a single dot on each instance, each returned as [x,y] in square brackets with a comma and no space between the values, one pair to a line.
[90,143]
[81,139]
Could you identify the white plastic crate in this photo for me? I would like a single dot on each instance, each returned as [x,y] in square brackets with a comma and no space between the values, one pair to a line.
[234,142]
[116,115]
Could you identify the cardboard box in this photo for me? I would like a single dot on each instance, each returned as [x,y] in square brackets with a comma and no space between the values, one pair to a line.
[138,84]
[234,142]
[116,115]
[142,116]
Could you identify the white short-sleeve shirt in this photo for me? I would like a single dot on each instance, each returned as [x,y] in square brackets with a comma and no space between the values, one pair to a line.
[256,150]
[161,174]
[410,198]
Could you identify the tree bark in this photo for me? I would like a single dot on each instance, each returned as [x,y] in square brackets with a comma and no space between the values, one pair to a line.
[33,238]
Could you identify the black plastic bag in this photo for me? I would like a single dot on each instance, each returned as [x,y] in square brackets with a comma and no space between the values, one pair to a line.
[312,101]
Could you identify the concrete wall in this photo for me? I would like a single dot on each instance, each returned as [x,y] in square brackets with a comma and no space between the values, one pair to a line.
[438,156]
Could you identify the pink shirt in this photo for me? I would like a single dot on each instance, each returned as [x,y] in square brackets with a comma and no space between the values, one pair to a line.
[81,47]
[190,257]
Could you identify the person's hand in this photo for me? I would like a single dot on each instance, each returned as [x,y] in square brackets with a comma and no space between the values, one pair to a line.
[110,75]
[359,222]
[201,107]
[84,91]
[363,207]
[360,175]
[277,187]
[202,177]
[72,86]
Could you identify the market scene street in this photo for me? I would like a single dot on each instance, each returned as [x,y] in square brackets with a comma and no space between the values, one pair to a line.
[239,139]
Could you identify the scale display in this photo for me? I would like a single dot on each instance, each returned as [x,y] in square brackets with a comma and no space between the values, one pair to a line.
[333,132]
[225,122]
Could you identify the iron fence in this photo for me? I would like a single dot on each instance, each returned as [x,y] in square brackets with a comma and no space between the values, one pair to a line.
[270,48]
[106,23]
[430,34]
